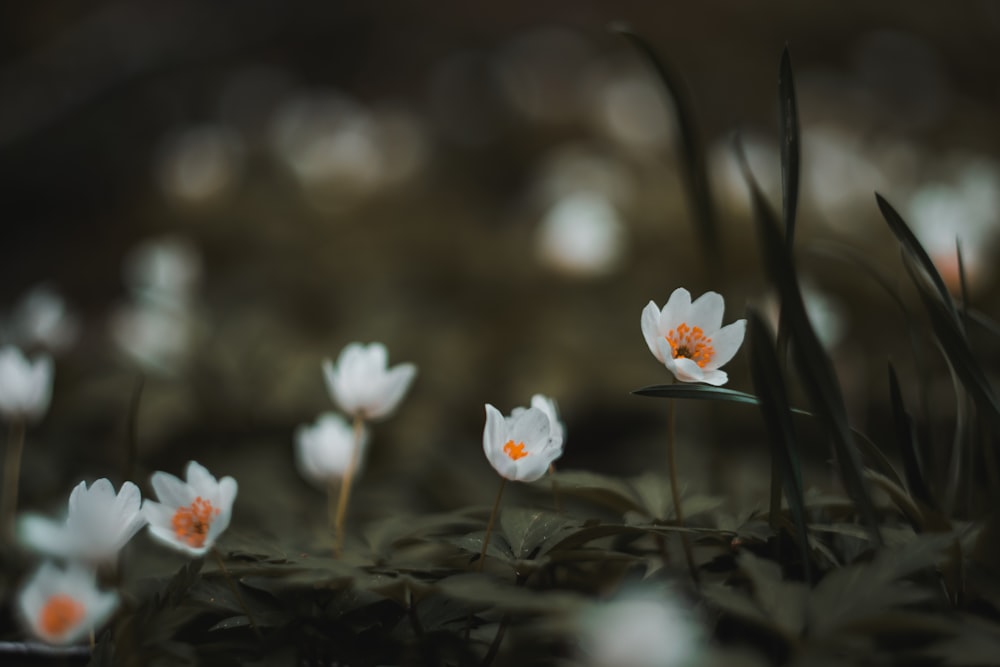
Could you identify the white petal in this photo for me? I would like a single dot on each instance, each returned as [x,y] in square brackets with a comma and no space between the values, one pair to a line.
[650,323]
[726,343]
[227,493]
[666,354]
[706,312]
[687,370]
[494,435]
[548,406]
[158,514]
[715,377]
[201,481]
[167,537]
[172,491]
[394,386]
[77,498]
[676,311]
[530,468]
[44,535]
[532,428]
[376,358]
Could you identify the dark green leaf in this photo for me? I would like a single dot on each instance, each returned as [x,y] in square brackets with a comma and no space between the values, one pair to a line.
[814,367]
[783,602]
[906,442]
[768,382]
[604,490]
[528,530]
[790,150]
[693,152]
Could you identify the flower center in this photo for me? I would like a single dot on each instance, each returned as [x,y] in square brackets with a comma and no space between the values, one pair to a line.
[691,343]
[191,523]
[514,450]
[59,615]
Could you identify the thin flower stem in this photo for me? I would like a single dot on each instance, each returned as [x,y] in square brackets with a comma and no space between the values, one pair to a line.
[555,489]
[236,592]
[11,475]
[345,489]
[489,526]
[676,491]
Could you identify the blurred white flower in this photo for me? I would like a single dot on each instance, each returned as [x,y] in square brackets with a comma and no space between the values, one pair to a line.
[630,107]
[521,447]
[98,525]
[190,516]
[639,631]
[42,319]
[164,271]
[25,387]
[689,339]
[199,163]
[361,384]
[843,171]
[826,314]
[582,235]
[61,606]
[324,450]
[157,338]
[764,161]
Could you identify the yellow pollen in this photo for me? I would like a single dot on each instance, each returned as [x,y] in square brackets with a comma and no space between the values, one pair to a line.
[59,615]
[190,523]
[514,451]
[691,343]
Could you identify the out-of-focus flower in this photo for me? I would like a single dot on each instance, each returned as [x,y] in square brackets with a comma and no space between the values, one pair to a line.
[826,314]
[42,319]
[582,235]
[164,271]
[362,385]
[324,450]
[629,107]
[157,338]
[689,339]
[639,631]
[61,606]
[965,212]
[98,525]
[199,163]
[190,515]
[25,387]
[521,447]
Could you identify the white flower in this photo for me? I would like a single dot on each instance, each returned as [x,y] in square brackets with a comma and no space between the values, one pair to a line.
[190,515]
[25,387]
[41,318]
[582,235]
[62,606]
[323,451]
[97,527]
[689,339]
[521,447]
[548,406]
[164,271]
[158,338]
[362,386]
[639,631]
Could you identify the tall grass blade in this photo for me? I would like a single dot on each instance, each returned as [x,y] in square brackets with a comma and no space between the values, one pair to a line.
[790,145]
[905,441]
[693,152]
[814,367]
[770,385]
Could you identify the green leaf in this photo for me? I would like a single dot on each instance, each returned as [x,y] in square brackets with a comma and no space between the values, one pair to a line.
[906,442]
[604,490]
[790,151]
[487,591]
[692,150]
[768,382]
[814,367]
[783,602]
[527,529]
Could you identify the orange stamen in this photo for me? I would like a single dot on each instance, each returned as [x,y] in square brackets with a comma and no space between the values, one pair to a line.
[514,451]
[691,343]
[59,615]
[191,523]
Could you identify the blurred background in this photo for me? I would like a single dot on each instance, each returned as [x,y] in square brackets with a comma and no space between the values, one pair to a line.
[206,199]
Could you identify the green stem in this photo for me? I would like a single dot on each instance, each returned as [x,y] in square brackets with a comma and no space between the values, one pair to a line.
[345,489]
[676,492]
[12,475]
[489,526]
[236,592]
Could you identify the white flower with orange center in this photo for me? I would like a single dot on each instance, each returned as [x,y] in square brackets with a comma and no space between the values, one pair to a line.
[521,447]
[324,451]
[63,606]
[190,515]
[98,525]
[688,337]
[25,386]
[362,384]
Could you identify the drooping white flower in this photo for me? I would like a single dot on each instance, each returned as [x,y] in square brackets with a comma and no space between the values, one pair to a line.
[362,385]
[190,515]
[98,525]
[41,318]
[61,606]
[521,447]
[324,450]
[689,339]
[25,387]
[639,631]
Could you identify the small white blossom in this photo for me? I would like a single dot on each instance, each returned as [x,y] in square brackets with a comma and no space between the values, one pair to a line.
[582,235]
[523,446]
[25,387]
[324,450]
[361,384]
[548,406]
[164,271]
[62,606]
[191,515]
[98,525]
[639,631]
[42,319]
[689,339]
